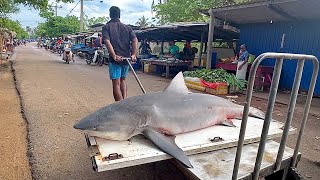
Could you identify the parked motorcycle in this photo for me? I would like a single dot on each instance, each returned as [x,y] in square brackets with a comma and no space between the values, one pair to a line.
[95,55]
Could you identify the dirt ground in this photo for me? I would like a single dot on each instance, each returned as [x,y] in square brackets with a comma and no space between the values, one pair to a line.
[55,95]
[14,163]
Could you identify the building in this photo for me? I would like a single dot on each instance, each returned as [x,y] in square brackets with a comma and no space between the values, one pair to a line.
[290,26]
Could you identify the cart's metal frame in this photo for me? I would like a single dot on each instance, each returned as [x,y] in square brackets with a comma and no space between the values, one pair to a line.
[272,97]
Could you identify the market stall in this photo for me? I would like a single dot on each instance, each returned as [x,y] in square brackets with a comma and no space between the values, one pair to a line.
[187,32]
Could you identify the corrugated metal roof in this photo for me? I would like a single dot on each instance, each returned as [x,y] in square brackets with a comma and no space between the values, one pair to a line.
[185,31]
[262,11]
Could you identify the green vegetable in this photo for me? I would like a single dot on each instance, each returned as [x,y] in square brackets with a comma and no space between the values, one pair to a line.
[217,75]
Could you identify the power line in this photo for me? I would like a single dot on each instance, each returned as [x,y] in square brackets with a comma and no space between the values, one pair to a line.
[93,9]
[73,8]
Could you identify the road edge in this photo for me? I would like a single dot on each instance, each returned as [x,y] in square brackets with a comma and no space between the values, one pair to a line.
[29,154]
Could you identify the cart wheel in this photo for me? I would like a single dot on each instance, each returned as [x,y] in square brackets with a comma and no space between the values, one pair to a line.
[88,62]
[293,174]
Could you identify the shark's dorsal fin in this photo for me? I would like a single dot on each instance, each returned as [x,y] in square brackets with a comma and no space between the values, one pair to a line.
[177,85]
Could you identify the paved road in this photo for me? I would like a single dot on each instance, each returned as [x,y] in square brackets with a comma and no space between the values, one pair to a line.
[55,95]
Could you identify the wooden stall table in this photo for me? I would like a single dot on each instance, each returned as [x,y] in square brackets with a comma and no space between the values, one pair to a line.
[263,74]
[166,64]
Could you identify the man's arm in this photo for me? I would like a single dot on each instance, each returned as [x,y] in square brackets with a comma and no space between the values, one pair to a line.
[106,38]
[134,49]
[111,51]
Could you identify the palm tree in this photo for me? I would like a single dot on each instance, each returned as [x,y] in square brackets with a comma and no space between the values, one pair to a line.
[143,22]
[29,30]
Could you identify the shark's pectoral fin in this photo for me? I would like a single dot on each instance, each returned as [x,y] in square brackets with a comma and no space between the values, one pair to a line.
[167,145]
[228,122]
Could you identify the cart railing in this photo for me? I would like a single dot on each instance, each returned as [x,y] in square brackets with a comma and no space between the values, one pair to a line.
[272,97]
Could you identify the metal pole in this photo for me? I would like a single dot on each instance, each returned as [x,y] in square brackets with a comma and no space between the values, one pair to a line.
[134,74]
[245,115]
[81,15]
[210,39]
[266,124]
[306,109]
[201,49]
[292,103]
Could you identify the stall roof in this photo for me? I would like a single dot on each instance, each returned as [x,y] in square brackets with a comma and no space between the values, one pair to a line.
[261,11]
[185,31]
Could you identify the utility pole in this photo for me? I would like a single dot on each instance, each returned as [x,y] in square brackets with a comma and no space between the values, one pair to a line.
[56,8]
[81,15]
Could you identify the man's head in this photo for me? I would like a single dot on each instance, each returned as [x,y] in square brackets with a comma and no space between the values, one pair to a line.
[114,12]
[99,34]
[171,43]
[243,47]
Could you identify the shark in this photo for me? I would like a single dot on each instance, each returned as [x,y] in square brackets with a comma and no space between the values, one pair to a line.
[161,115]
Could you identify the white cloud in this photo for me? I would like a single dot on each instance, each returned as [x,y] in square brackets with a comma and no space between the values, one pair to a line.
[131,10]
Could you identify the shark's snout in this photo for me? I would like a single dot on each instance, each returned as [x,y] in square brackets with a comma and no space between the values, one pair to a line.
[83,125]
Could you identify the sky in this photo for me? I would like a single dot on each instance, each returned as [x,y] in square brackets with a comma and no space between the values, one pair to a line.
[131,10]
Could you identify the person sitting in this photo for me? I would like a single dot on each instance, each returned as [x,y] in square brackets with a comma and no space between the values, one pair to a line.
[174,50]
[98,44]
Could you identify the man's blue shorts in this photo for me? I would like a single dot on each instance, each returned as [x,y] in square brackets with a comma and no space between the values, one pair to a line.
[117,71]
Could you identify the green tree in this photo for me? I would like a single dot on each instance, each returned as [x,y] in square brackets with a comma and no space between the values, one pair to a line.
[13,26]
[143,22]
[11,6]
[57,25]
[94,20]
[185,10]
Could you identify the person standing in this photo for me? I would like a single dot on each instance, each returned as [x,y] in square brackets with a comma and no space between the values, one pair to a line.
[119,39]
[242,62]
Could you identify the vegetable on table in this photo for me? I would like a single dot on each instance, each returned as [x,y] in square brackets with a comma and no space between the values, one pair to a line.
[217,75]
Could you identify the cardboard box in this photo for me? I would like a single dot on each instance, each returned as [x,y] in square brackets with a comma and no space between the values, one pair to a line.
[196,87]
[219,90]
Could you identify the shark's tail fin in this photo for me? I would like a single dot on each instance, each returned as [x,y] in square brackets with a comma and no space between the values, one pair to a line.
[257,113]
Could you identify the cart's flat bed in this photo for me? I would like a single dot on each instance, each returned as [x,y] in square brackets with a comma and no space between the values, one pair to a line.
[140,150]
[218,165]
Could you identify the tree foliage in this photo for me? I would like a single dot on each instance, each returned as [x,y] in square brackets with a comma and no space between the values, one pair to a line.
[186,10]
[57,26]
[143,22]
[13,26]
[94,20]
[11,6]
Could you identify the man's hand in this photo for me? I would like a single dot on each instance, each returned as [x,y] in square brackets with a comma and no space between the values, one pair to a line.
[133,58]
[117,58]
